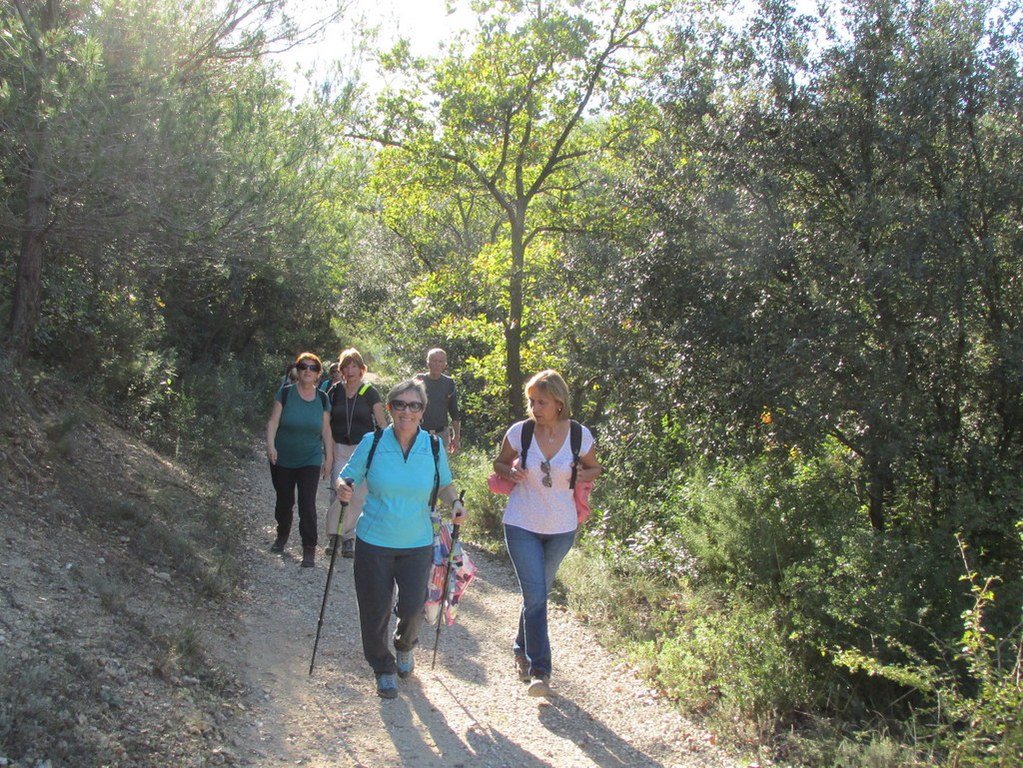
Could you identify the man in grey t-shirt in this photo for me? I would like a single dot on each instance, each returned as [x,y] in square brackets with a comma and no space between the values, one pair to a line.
[442,400]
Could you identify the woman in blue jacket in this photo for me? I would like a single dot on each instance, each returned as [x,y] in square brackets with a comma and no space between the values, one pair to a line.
[394,533]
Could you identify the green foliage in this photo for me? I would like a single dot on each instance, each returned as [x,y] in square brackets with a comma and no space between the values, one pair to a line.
[470,468]
[986,715]
[747,525]
[736,659]
[489,186]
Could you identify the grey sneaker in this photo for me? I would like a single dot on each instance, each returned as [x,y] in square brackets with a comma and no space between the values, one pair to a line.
[329,549]
[539,685]
[406,663]
[387,686]
[522,668]
[348,548]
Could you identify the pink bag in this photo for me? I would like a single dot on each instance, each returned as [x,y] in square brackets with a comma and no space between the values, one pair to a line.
[498,484]
[581,494]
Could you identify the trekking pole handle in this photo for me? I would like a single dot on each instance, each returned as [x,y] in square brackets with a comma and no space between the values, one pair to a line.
[344,504]
[349,482]
[454,525]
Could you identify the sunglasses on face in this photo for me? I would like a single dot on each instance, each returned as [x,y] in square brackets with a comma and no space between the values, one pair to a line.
[308,367]
[400,405]
[545,467]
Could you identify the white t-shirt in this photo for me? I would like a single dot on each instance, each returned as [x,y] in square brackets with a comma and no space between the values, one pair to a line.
[533,506]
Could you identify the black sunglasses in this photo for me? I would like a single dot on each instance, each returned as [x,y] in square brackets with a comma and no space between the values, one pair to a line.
[308,367]
[400,405]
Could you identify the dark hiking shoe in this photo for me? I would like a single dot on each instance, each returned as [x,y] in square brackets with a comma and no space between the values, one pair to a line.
[329,549]
[522,668]
[406,663]
[387,686]
[539,685]
[348,548]
[309,556]
[279,544]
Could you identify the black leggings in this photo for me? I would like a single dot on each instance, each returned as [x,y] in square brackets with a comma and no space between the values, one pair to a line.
[285,479]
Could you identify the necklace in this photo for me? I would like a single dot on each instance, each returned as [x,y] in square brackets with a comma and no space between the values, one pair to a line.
[350,411]
[551,437]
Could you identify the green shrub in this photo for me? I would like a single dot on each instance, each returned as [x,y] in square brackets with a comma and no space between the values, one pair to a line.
[747,524]
[470,468]
[984,714]
[734,659]
[624,606]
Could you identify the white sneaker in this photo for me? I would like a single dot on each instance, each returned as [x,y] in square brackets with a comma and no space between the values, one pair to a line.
[539,686]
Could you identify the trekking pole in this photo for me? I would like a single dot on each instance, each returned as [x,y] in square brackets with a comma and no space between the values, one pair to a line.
[330,573]
[444,589]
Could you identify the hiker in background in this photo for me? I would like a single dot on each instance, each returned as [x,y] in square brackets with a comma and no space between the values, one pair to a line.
[403,467]
[290,375]
[332,378]
[355,409]
[443,397]
[300,450]
[540,518]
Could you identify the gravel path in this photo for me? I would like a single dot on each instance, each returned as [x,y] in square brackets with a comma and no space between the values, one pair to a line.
[469,710]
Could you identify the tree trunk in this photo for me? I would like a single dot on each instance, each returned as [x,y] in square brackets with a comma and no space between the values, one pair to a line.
[21,325]
[513,326]
[25,300]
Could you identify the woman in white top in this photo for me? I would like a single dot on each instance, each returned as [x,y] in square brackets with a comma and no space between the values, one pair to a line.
[540,519]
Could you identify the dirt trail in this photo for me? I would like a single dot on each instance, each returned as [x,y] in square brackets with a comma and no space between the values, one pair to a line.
[470,710]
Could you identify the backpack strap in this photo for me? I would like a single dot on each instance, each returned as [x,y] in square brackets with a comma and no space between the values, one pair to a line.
[286,389]
[435,447]
[324,400]
[377,434]
[576,441]
[527,439]
[364,388]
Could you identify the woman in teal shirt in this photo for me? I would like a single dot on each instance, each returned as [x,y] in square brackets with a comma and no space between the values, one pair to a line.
[300,449]
[394,533]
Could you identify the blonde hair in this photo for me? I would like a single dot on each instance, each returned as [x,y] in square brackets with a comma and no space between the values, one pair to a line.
[551,383]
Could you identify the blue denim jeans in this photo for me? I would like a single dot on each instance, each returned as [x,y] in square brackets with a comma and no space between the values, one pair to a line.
[536,558]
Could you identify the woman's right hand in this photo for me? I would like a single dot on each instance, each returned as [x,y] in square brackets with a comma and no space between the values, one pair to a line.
[344,490]
[271,455]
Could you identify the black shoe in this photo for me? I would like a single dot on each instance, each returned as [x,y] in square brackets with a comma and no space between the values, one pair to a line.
[309,556]
[348,548]
[279,544]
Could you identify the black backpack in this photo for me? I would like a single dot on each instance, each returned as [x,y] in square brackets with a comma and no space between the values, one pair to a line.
[575,439]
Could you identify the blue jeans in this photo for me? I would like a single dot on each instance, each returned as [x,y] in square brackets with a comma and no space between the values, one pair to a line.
[536,558]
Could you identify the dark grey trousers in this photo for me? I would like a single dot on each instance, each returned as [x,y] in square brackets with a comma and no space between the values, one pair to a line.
[377,571]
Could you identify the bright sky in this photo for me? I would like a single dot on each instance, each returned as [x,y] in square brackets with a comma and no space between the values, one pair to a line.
[425,23]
